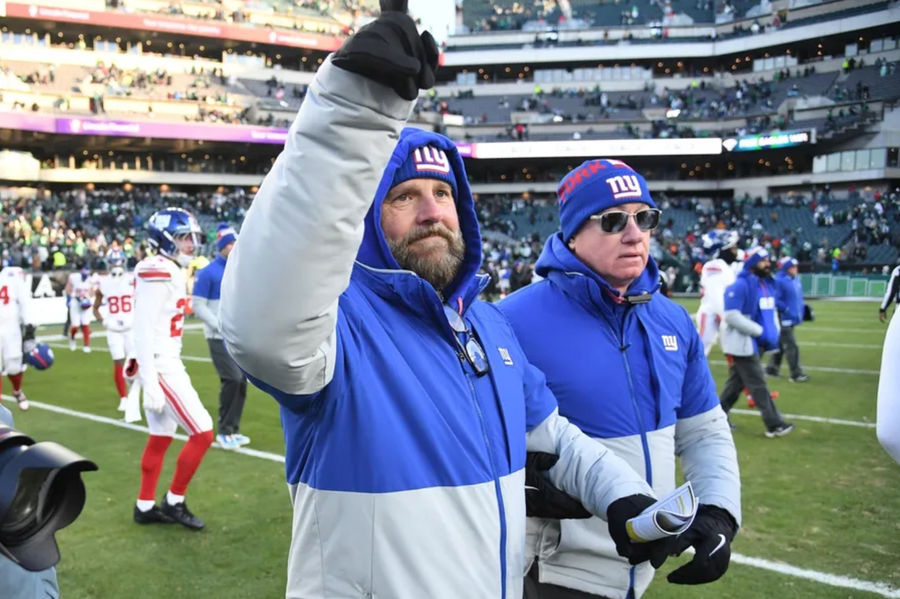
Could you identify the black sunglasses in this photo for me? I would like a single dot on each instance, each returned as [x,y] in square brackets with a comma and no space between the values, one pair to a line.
[615,221]
[471,350]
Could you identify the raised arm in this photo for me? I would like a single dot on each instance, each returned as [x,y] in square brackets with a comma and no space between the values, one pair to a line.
[301,234]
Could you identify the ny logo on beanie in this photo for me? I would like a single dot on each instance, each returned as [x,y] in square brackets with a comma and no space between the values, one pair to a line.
[429,159]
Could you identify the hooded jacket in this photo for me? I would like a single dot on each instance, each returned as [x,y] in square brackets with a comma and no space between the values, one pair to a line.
[635,377]
[405,468]
[788,298]
[750,316]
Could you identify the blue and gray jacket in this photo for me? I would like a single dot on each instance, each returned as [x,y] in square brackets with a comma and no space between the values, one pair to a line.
[634,376]
[750,316]
[206,292]
[405,468]
[788,299]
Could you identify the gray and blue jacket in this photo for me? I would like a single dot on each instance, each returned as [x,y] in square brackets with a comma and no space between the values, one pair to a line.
[788,298]
[634,377]
[405,467]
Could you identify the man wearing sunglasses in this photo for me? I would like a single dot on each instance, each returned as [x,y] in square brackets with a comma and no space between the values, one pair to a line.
[406,402]
[628,367]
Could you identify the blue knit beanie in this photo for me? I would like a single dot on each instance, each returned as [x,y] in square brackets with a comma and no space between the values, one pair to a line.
[787,263]
[225,235]
[426,162]
[754,256]
[595,186]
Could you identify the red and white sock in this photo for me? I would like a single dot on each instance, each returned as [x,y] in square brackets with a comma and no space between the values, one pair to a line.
[188,460]
[16,380]
[119,376]
[86,332]
[151,465]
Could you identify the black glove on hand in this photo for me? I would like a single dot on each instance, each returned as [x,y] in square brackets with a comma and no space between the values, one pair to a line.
[542,499]
[618,512]
[28,333]
[710,534]
[390,51]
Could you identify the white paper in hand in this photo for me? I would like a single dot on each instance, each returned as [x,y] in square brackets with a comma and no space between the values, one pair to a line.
[669,516]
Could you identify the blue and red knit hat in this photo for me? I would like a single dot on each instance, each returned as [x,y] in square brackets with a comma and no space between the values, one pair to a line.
[595,186]
[754,256]
[225,234]
[426,162]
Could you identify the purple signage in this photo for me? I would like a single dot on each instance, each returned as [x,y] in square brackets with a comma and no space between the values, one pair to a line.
[29,121]
[46,123]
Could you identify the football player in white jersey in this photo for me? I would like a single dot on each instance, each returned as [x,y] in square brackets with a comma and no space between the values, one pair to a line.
[80,290]
[114,308]
[170,401]
[717,274]
[14,312]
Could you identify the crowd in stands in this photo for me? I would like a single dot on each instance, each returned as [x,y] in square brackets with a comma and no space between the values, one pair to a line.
[825,231]
[49,230]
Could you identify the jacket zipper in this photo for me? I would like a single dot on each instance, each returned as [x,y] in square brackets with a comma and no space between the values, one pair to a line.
[497,490]
[637,412]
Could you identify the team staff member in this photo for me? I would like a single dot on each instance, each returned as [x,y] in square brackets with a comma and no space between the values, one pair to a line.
[232,382]
[888,415]
[789,302]
[407,403]
[891,294]
[640,383]
[751,328]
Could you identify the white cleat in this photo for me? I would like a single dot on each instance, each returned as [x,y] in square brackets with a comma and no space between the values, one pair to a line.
[21,400]
[87,349]
[72,343]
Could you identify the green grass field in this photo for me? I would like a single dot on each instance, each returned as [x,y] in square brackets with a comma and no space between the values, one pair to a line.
[822,501]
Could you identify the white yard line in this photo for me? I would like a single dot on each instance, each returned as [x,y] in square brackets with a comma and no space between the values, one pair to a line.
[815,368]
[835,580]
[820,419]
[274,457]
[813,329]
[850,345]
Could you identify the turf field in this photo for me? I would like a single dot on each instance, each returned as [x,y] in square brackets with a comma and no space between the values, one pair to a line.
[821,506]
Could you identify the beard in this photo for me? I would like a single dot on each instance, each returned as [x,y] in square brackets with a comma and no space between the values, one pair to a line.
[437,266]
[763,272]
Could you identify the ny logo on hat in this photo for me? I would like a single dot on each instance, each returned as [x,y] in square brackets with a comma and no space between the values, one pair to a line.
[624,186]
[432,160]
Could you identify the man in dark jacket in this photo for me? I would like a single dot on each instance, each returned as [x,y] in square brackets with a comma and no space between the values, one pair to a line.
[628,367]
[789,302]
[751,328]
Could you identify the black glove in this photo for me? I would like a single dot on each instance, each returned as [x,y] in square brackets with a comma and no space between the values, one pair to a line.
[618,512]
[28,332]
[390,51]
[710,534]
[542,499]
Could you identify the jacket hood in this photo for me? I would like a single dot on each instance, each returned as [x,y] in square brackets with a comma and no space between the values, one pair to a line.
[557,259]
[374,251]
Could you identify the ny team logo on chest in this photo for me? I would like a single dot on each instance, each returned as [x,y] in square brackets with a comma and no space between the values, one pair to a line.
[431,160]
[670,342]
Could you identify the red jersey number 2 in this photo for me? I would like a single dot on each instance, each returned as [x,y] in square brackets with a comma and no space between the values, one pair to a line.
[176,327]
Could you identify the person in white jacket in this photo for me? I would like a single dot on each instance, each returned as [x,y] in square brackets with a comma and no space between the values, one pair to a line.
[407,404]
[888,414]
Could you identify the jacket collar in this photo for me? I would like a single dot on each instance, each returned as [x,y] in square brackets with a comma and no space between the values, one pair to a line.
[559,264]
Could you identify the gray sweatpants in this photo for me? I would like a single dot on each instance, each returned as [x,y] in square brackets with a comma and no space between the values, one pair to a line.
[746,371]
[232,390]
[787,347]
